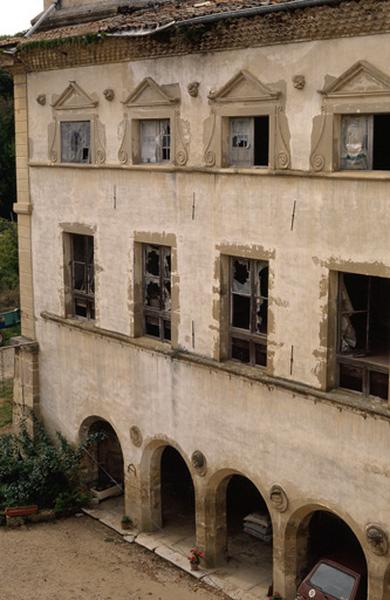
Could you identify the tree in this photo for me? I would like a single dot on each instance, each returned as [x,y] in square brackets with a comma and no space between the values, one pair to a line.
[7,146]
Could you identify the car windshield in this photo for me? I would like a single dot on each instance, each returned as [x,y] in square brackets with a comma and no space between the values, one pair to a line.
[332,581]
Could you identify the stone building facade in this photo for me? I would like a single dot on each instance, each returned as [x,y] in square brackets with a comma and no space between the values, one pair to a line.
[204,223]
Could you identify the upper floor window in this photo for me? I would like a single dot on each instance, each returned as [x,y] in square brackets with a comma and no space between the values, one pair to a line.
[248,310]
[157,291]
[249,141]
[76,141]
[364,142]
[363,349]
[82,276]
[247,126]
[352,131]
[76,136]
[155,140]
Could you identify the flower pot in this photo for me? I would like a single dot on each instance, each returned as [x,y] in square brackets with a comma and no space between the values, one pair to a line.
[21,511]
[194,566]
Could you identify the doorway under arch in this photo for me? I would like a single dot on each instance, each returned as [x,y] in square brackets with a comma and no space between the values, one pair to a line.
[242,534]
[323,534]
[104,464]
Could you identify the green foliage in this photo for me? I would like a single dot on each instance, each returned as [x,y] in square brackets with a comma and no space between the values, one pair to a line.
[6,397]
[7,146]
[38,470]
[9,273]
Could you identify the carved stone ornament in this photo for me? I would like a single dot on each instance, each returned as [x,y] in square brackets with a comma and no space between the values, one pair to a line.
[361,89]
[299,82]
[245,95]
[278,498]
[41,99]
[377,539]
[136,436]
[109,94]
[199,462]
[193,89]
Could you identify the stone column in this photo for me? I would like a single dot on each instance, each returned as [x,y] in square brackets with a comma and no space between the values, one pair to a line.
[26,384]
[23,207]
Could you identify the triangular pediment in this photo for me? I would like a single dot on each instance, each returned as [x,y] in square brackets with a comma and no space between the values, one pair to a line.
[73,98]
[243,87]
[362,79]
[149,93]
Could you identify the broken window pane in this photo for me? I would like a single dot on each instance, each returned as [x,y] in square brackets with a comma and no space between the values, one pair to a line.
[75,141]
[356,142]
[261,355]
[241,311]
[152,326]
[241,144]
[364,333]
[157,291]
[167,296]
[351,377]
[379,384]
[155,140]
[152,292]
[152,260]
[83,278]
[241,277]
[249,309]
[240,350]
[167,331]
[261,315]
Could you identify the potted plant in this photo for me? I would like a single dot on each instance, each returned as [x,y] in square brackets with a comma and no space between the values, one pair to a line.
[126,522]
[194,558]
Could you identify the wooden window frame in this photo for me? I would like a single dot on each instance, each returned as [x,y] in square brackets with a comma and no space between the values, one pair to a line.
[88,296]
[161,314]
[250,336]
[161,160]
[364,364]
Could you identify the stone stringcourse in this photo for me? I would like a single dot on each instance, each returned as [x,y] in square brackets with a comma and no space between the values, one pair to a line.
[78,45]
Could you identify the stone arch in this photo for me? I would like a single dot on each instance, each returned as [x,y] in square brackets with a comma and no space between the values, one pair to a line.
[303,543]
[152,484]
[216,533]
[104,461]
[386,584]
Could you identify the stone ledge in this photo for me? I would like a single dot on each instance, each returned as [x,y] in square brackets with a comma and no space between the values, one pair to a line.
[256,172]
[337,399]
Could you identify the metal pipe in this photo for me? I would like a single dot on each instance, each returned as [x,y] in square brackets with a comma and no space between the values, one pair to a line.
[42,18]
[257,10]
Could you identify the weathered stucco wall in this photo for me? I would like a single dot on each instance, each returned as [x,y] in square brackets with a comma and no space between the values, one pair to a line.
[320,453]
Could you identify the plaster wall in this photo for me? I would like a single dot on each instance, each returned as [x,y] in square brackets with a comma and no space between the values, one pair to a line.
[320,453]
[271,65]
[231,211]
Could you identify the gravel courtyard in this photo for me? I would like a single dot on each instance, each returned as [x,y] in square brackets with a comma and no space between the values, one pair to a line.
[80,559]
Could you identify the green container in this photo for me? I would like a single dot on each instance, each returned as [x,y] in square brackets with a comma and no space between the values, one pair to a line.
[9,318]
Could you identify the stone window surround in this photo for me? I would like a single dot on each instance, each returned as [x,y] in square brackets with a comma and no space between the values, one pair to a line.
[326,134]
[97,152]
[266,102]
[159,102]
[136,292]
[332,325]
[225,253]
[74,104]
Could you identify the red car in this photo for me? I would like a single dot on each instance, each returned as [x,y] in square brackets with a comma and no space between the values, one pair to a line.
[330,580]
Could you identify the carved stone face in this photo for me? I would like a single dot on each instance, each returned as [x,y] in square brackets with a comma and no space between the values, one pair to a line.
[377,538]
[199,462]
[299,82]
[109,94]
[193,88]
